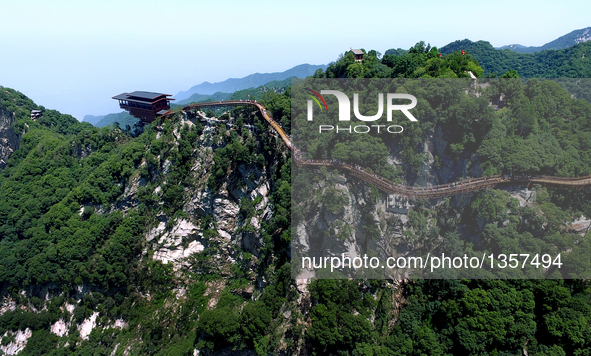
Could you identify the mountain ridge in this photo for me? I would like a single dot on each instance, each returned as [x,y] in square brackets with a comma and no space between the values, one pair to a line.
[93,119]
[570,39]
[566,62]
[250,81]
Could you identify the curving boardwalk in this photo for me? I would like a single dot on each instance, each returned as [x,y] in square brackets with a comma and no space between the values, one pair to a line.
[387,186]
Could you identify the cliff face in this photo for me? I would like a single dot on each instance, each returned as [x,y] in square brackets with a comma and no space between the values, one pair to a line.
[364,222]
[9,140]
[178,240]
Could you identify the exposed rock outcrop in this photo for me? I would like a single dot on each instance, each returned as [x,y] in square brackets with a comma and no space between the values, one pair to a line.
[176,244]
[9,140]
[18,342]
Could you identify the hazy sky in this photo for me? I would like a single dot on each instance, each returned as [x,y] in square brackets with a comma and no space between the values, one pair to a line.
[74,56]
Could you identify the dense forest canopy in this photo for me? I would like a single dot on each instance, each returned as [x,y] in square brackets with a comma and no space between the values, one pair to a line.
[540,130]
[530,135]
[570,62]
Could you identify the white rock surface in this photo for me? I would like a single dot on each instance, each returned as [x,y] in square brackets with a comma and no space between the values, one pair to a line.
[114,352]
[59,328]
[226,212]
[173,246]
[120,323]
[225,235]
[87,325]
[70,308]
[19,342]
[157,231]
[7,305]
[254,222]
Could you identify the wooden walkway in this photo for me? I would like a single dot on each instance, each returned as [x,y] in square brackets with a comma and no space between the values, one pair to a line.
[387,186]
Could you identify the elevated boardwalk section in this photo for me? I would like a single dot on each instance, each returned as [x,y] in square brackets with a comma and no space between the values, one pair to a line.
[389,187]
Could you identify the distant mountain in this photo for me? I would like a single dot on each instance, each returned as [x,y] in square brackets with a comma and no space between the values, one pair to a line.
[277,86]
[251,81]
[92,119]
[571,62]
[568,40]
[123,118]
[199,98]
[515,47]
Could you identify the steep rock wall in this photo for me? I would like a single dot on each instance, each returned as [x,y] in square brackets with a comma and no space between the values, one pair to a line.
[9,140]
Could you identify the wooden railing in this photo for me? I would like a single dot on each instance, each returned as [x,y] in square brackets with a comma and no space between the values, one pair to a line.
[387,186]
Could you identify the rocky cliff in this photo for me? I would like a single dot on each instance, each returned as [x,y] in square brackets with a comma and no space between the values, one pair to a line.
[9,140]
[202,229]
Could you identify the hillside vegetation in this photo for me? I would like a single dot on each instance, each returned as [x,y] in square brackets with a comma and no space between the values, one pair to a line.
[571,62]
[570,39]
